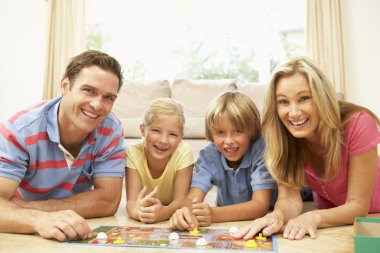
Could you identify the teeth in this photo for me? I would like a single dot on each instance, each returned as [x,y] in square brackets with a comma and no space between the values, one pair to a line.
[231,150]
[89,114]
[298,123]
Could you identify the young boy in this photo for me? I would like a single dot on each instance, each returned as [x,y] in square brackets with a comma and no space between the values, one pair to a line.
[233,163]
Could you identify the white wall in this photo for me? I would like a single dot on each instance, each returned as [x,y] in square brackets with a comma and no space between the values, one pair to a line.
[361,21]
[23,26]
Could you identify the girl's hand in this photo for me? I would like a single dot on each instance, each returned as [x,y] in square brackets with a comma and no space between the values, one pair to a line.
[153,212]
[298,227]
[203,213]
[269,224]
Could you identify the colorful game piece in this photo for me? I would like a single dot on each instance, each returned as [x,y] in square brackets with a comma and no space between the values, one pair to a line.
[260,237]
[194,231]
[118,240]
[101,236]
[173,236]
[251,244]
[233,230]
[201,242]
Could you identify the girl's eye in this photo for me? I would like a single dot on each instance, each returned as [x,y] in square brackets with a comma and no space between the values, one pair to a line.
[174,135]
[304,98]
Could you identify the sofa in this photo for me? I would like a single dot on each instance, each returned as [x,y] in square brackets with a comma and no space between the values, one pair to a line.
[194,95]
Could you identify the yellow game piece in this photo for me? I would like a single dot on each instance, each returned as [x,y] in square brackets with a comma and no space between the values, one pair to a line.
[250,244]
[194,231]
[118,240]
[261,237]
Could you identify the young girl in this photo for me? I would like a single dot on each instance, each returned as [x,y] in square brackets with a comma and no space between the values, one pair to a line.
[160,165]
[233,162]
[314,139]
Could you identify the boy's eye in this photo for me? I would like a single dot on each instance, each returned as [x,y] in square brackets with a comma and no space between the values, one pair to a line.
[174,135]
[219,132]
[238,131]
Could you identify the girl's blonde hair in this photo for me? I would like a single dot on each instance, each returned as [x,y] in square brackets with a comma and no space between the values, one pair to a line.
[238,108]
[285,154]
[163,107]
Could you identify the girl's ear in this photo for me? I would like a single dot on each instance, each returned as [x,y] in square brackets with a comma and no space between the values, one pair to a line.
[142,130]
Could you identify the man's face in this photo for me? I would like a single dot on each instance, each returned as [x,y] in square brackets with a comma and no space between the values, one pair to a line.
[87,101]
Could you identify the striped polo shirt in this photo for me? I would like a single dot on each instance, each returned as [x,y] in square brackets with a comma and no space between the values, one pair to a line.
[30,154]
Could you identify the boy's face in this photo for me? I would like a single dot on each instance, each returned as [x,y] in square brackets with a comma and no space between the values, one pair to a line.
[232,142]
[87,102]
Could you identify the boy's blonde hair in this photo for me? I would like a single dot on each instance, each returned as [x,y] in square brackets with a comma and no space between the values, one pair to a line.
[284,155]
[238,108]
[163,107]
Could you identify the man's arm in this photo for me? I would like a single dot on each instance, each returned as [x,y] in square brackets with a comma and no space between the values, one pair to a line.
[62,225]
[102,201]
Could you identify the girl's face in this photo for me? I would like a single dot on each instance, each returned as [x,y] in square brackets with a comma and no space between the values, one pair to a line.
[296,108]
[162,137]
[232,142]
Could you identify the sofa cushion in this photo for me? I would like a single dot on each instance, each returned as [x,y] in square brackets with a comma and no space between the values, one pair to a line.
[256,91]
[195,95]
[132,101]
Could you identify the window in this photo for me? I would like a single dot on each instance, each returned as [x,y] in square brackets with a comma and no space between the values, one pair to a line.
[197,39]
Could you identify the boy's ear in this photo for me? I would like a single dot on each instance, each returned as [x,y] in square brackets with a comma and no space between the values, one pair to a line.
[142,130]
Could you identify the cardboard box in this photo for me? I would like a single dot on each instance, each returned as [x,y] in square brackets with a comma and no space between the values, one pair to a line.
[367,235]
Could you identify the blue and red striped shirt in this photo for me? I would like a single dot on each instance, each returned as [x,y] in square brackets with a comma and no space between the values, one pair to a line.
[30,154]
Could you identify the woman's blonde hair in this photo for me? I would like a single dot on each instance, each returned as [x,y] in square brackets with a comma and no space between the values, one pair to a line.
[163,107]
[239,109]
[284,153]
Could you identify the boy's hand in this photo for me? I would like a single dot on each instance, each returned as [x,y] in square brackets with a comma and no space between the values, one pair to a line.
[183,219]
[202,212]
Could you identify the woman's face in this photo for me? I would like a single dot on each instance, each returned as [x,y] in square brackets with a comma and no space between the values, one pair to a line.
[296,108]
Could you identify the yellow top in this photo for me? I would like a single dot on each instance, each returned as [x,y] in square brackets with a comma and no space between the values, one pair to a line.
[180,159]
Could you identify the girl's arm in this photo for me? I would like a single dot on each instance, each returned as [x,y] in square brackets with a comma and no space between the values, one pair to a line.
[133,188]
[181,187]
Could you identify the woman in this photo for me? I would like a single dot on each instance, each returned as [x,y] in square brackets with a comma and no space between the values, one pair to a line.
[313,139]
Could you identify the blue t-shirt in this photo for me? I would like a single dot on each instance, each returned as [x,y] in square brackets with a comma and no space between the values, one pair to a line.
[233,186]
[30,154]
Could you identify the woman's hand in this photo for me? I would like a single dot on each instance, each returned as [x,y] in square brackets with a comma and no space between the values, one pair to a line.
[269,224]
[298,227]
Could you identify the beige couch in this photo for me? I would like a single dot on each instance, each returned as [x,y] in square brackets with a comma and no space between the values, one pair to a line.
[194,95]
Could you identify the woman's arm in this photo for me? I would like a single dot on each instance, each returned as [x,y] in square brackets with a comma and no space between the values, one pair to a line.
[255,208]
[288,205]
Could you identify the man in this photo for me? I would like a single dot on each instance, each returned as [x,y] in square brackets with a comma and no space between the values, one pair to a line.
[63,160]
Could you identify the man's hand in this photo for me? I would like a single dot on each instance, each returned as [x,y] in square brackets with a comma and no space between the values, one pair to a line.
[62,226]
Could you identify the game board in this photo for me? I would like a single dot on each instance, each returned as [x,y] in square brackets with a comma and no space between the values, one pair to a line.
[157,237]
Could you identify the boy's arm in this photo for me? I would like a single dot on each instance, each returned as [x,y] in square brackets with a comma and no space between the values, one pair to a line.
[183,218]
[253,209]
[102,201]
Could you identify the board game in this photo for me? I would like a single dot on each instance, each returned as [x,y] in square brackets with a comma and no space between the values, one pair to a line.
[158,237]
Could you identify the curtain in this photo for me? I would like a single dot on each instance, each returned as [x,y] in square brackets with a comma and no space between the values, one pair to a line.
[325,39]
[66,38]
